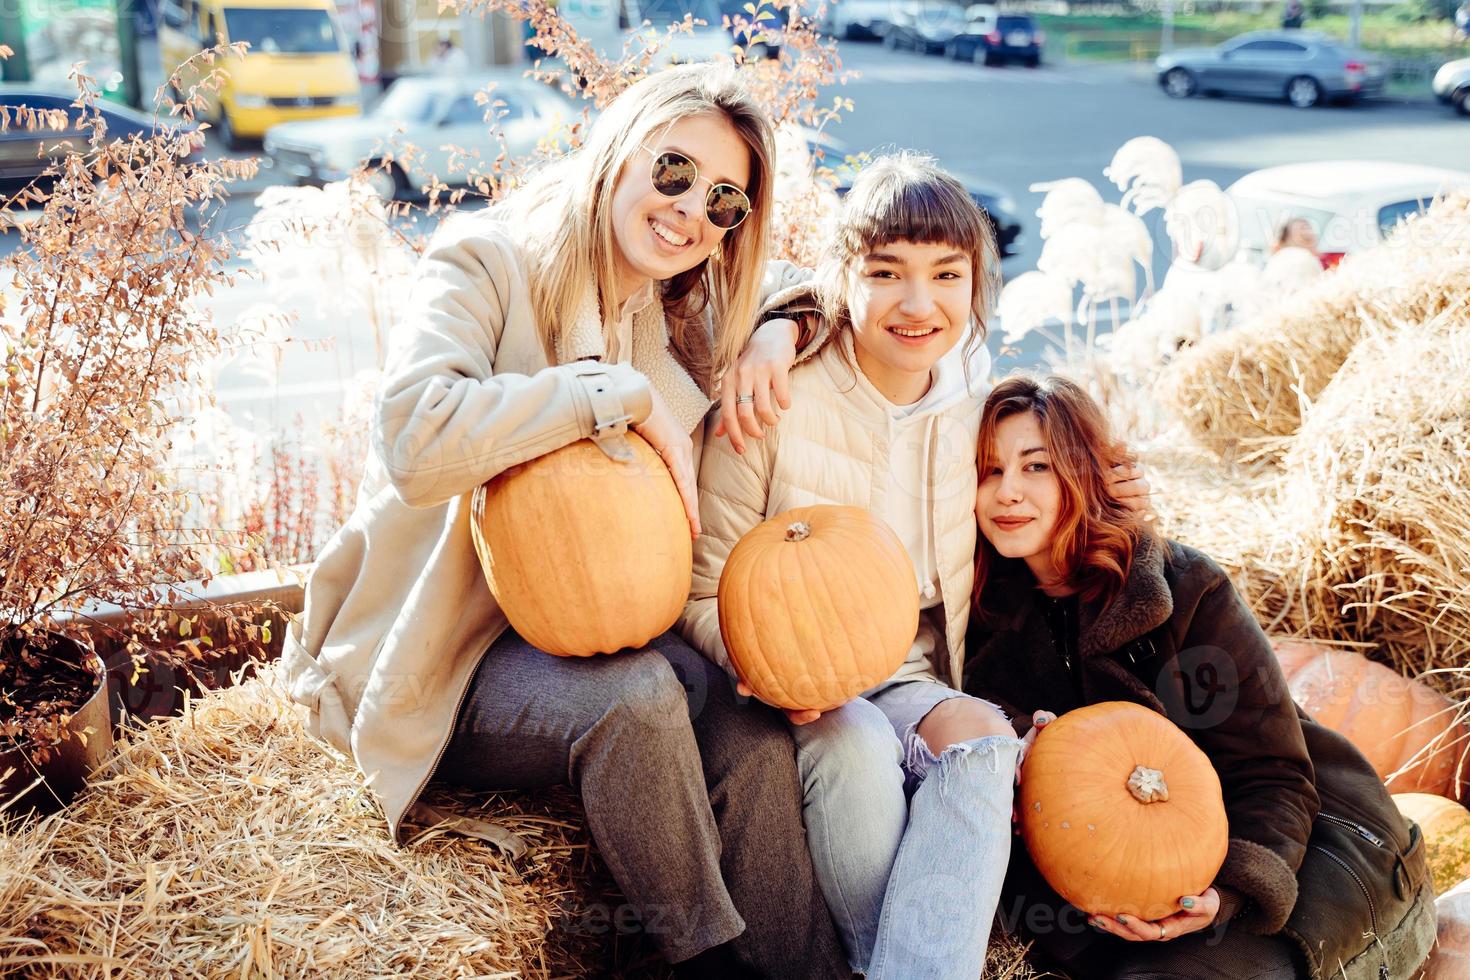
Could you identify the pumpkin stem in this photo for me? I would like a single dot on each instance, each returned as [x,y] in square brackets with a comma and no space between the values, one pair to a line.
[798,531]
[1147,785]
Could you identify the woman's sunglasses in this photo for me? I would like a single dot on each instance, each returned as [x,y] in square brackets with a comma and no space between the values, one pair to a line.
[673,174]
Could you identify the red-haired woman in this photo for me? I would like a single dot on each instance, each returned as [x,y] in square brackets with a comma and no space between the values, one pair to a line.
[1079,602]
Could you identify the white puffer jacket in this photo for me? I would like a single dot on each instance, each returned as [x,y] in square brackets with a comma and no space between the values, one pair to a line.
[832,447]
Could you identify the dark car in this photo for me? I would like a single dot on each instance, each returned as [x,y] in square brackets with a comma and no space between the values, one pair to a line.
[998,206]
[990,38]
[1303,67]
[926,26]
[26,153]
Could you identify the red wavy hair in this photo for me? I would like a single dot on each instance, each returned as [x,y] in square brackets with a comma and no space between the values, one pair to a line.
[1095,536]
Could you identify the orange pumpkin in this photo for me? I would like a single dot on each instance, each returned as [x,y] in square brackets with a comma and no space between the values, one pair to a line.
[1407,730]
[584,554]
[1450,957]
[1446,828]
[817,605]
[1121,812]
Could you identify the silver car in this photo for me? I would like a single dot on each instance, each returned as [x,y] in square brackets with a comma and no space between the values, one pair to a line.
[1303,67]
[435,114]
[1452,85]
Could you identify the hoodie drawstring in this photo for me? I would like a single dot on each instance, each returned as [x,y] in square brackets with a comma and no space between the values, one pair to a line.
[926,579]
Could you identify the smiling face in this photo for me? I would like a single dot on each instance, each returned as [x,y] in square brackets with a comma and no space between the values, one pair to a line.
[909,305]
[658,237]
[1020,498]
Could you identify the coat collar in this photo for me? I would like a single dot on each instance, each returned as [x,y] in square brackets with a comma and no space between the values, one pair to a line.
[1144,605]
[587,338]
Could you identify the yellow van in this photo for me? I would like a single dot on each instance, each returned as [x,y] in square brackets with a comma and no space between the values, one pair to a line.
[298,65]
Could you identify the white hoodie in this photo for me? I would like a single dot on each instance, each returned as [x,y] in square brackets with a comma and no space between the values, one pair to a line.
[908,498]
[844,443]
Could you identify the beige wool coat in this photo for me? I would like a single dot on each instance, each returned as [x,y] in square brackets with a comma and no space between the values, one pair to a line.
[397,609]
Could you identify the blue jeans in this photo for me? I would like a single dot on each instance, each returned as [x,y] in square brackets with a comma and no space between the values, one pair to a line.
[910,850]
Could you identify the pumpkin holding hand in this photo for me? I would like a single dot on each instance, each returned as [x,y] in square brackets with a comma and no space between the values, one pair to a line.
[817,605]
[585,552]
[1122,814]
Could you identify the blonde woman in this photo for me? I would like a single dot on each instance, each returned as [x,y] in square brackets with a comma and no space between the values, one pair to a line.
[601,296]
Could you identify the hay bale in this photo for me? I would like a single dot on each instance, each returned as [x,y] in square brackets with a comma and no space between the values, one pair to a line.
[229,843]
[1241,392]
[1377,485]
[1362,534]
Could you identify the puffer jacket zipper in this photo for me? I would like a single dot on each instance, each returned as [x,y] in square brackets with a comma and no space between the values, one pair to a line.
[1362,887]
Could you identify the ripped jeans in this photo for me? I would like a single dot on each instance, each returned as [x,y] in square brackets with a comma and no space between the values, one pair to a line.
[910,850]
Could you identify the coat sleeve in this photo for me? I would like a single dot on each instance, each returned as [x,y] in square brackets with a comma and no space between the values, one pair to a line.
[447,421]
[1242,716]
[790,289]
[733,490]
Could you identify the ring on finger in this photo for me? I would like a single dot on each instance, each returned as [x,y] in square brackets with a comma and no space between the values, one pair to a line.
[745,399]
[1163,933]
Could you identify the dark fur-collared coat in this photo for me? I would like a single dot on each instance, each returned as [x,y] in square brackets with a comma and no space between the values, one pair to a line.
[1318,852]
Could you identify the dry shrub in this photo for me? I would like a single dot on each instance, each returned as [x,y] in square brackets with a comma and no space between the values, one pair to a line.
[1242,392]
[227,843]
[102,348]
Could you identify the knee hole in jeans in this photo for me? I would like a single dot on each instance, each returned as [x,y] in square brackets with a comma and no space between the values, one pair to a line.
[958,720]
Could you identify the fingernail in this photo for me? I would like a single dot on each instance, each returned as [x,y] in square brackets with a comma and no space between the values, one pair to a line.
[1187,903]
[1122,918]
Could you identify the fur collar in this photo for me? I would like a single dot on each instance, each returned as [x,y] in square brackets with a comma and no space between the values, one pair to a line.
[586,338]
[1144,605]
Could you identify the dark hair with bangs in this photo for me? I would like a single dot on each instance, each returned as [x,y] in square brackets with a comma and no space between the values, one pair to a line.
[906,197]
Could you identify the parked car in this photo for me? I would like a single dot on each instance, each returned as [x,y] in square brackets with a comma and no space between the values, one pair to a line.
[1452,85]
[991,37]
[926,26]
[860,20]
[298,66]
[1352,205]
[1303,67]
[611,26]
[26,153]
[435,113]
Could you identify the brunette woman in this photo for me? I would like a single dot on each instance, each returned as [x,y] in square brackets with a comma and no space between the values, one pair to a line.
[1080,602]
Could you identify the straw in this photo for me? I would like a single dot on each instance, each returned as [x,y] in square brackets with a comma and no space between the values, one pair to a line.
[229,843]
[1241,392]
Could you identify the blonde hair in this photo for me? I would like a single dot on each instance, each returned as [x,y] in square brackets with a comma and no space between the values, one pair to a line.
[907,197]
[566,212]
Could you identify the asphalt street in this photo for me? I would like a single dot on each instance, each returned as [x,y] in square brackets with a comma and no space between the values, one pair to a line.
[1009,126]
[1014,126]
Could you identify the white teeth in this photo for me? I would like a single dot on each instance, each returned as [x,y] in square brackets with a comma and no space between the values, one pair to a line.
[667,234]
[923,332]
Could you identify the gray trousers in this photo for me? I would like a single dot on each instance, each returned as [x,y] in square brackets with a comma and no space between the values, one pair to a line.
[691,793]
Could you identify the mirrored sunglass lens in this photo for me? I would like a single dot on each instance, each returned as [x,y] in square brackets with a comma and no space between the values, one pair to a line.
[673,174]
[726,206]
